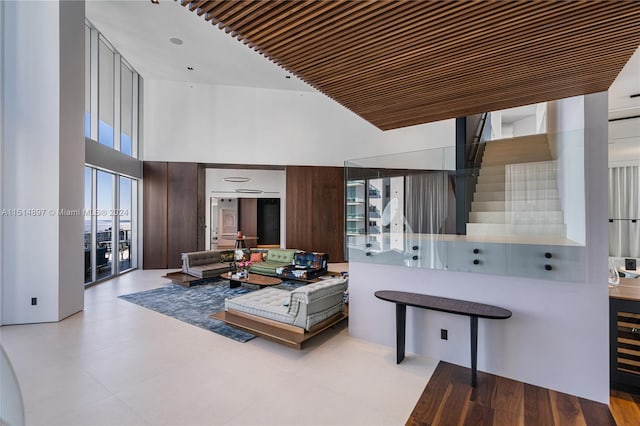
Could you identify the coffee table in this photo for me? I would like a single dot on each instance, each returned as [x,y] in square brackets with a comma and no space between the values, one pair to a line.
[260,280]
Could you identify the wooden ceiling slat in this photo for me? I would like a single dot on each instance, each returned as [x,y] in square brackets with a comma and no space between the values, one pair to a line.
[195,4]
[397,33]
[272,19]
[485,93]
[313,33]
[311,30]
[439,90]
[232,8]
[293,23]
[338,10]
[539,57]
[464,90]
[399,63]
[467,55]
[475,106]
[253,14]
[444,48]
[324,27]
[205,8]
[222,9]
[243,16]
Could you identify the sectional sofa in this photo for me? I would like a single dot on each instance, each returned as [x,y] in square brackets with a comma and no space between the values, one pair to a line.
[207,263]
[303,307]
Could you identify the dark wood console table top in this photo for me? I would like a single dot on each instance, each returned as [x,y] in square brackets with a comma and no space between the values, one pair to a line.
[473,310]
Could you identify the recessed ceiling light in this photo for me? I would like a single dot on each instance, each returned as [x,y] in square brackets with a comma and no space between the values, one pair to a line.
[249,191]
[190,68]
[236,179]
[176,41]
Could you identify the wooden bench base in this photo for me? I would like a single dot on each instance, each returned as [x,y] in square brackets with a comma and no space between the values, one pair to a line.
[274,331]
[187,280]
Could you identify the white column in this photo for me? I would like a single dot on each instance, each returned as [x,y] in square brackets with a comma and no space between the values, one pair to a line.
[42,160]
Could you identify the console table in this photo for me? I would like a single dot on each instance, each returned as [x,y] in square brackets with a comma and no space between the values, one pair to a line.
[473,310]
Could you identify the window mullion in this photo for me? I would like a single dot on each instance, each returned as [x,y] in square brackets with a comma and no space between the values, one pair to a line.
[117,73]
[94,85]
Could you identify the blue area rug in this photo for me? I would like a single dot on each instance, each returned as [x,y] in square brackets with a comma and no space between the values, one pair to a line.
[193,305]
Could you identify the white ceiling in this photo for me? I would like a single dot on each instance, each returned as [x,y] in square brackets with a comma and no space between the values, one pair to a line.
[140,31]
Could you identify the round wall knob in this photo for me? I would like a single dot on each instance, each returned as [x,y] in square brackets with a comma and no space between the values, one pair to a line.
[548,267]
[548,255]
[368,245]
[476,262]
[368,253]
[415,247]
[415,257]
[476,251]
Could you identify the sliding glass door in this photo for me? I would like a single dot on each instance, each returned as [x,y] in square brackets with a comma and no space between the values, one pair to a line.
[110,205]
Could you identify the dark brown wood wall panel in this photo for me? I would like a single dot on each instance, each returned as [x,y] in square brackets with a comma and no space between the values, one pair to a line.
[154,229]
[202,206]
[182,211]
[315,210]
[248,211]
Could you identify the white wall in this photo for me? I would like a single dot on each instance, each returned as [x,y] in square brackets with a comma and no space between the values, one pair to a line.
[565,124]
[558,335]
[240,125]
[525,126]
[624,142]
[43,160]
[272,182]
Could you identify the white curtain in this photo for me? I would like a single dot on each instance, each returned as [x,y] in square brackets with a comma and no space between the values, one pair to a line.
[624,210]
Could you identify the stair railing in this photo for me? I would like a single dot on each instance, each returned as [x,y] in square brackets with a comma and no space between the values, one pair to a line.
[475,149]
[475,152]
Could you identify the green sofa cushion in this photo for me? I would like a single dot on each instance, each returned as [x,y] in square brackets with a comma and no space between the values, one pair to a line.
[284,256]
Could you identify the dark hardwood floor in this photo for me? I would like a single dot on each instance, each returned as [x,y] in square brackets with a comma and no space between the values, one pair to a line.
[449,399]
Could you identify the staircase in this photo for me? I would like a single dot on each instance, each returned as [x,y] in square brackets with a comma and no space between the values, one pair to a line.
[517,191]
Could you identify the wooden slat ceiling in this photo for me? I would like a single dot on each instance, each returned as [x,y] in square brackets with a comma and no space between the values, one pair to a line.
[400,63]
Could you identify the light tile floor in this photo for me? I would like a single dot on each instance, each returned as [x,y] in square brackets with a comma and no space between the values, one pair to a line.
[116,363]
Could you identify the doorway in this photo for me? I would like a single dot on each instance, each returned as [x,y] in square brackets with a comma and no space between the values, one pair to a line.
[268,219]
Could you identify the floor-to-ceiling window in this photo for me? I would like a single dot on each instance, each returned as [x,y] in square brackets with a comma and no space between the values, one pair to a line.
[111,190]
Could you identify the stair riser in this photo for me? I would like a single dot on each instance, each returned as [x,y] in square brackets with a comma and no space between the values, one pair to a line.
[489,179]
[500,206]
[520,217]
[495,150]
[533,158]
[543,194]
[529,185]
[483,229]
[538,138]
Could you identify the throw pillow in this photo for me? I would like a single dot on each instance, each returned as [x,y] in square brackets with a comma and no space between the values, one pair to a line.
[256,257]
